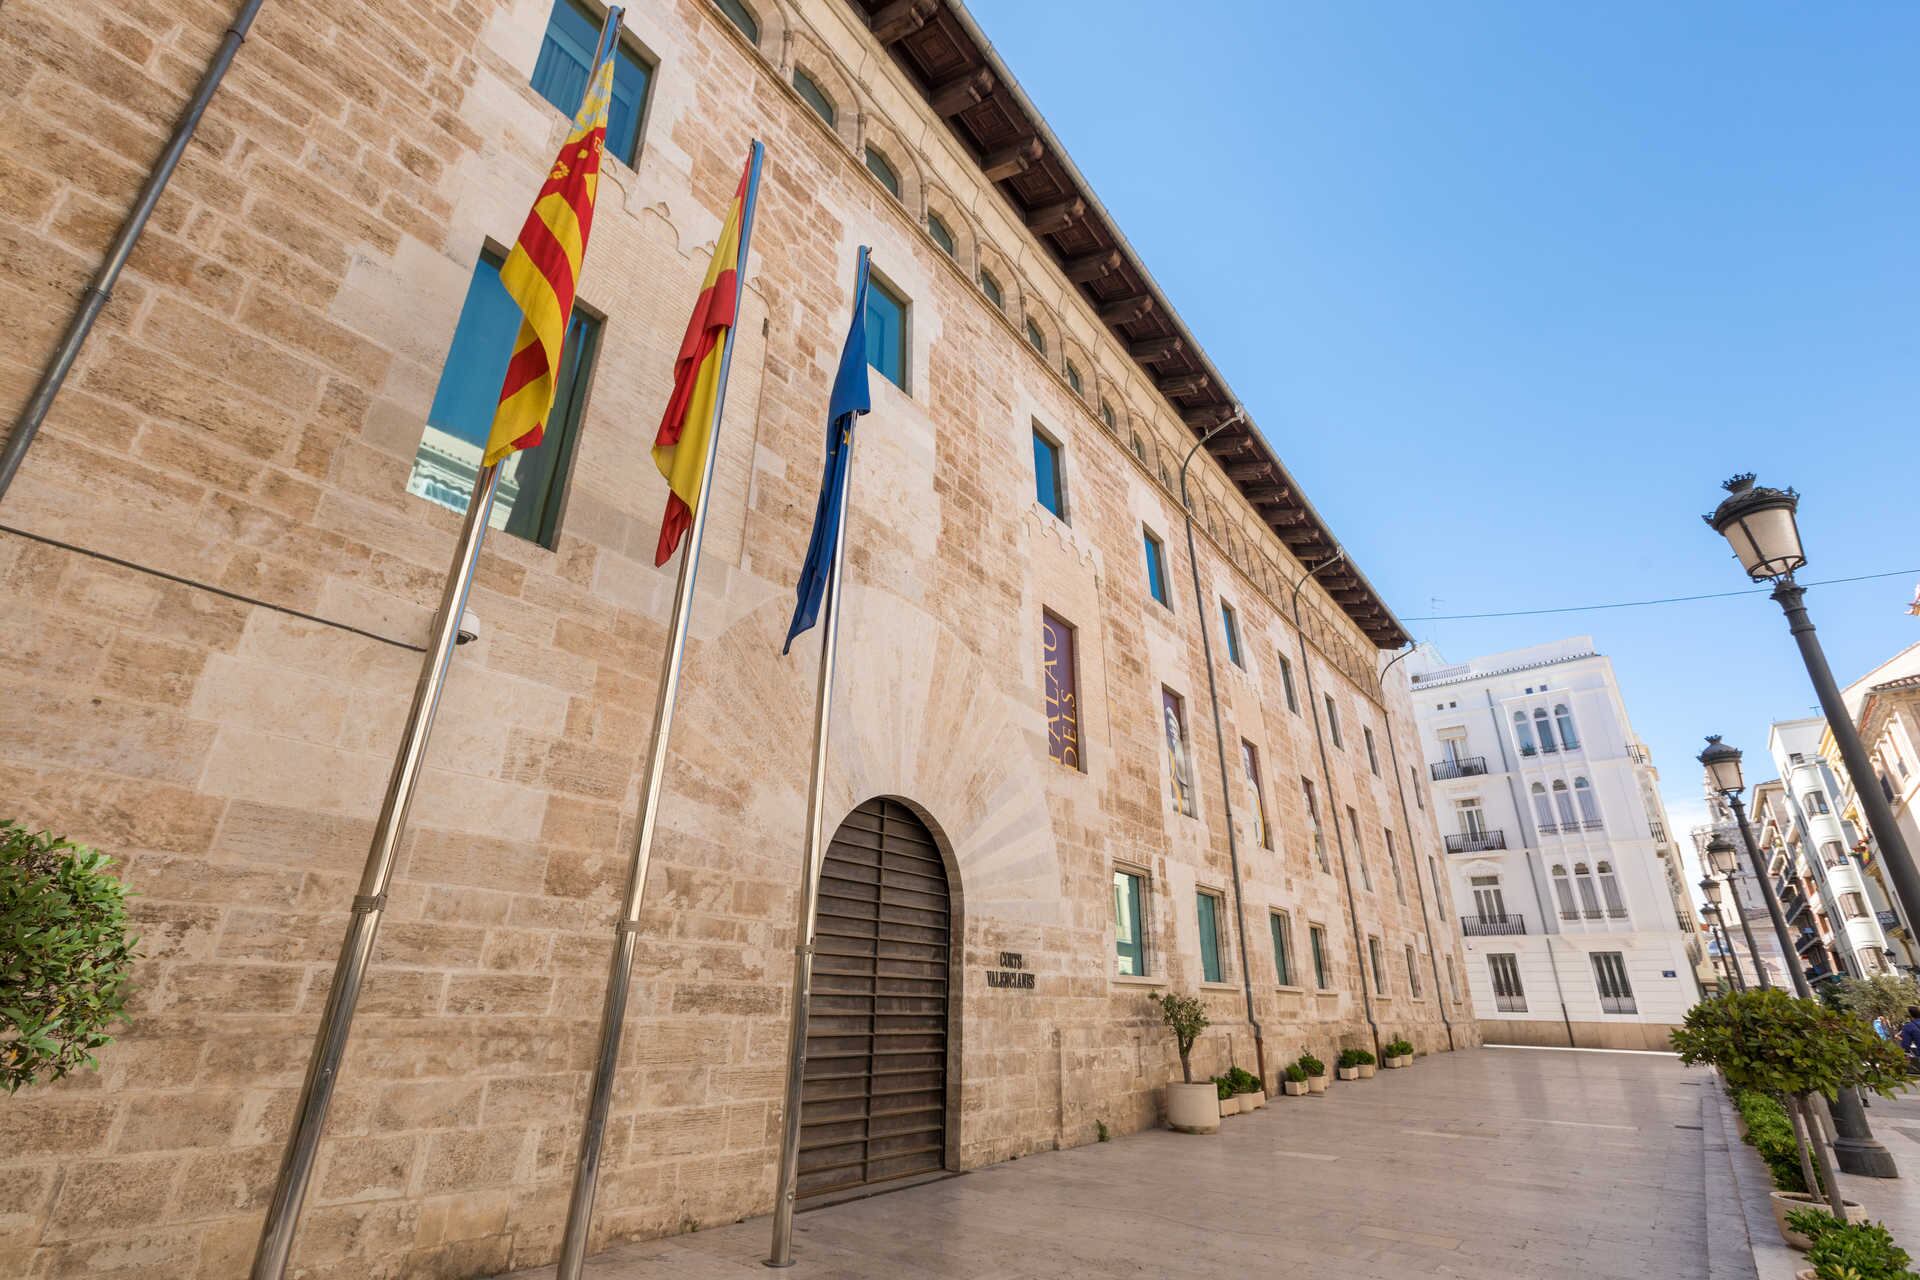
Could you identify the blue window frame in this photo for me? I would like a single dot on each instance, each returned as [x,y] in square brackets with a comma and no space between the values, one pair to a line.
[1209,909]
[1156,570]
[887,332]
[1047,480]
[1231,626]
[560,76]
[448,458]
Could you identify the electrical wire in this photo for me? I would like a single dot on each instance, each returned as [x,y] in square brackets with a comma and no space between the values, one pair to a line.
[1641,604]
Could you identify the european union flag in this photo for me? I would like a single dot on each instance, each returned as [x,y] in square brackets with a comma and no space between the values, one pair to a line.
[851,398]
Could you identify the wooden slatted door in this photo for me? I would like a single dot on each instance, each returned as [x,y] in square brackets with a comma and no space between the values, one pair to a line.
[874,1105]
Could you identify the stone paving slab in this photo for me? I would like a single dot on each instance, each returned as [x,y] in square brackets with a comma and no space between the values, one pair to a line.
[1494,1164]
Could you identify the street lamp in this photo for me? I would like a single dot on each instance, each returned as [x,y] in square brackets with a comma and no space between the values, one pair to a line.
[1854,1145]
[1721,861]
[1711,887]
[1762,526]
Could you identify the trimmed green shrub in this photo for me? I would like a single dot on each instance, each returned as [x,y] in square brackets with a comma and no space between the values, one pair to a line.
[1186,1017]
[65,955]
[1295,1073]
[1244,1081]
[1223,1086]
[1812,1223]
[1770,1133]
[1397,1049]
[1778,1043]
[1355,1058]
[1312,1065]
[1859,1251]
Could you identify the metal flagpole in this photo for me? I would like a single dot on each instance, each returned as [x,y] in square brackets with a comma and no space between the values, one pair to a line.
[613,1013]
[786,1187]
[296,1165]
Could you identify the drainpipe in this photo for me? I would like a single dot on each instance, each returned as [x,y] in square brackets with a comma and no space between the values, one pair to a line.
[97,294]
[1413,854]
[1524,816]
[1220,741]
[1333,814]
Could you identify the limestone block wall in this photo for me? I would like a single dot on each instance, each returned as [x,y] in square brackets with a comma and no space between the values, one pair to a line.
[243,420]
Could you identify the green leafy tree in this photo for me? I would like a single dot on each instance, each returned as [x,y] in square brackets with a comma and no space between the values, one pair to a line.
[1885,995]
[1776,1043]
[65,955]
[1186,1017]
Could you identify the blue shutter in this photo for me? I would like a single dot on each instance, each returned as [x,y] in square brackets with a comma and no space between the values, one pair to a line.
[560,76]
[887,333]
[469,388]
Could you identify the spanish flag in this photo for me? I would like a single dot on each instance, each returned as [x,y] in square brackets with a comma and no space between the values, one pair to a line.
[544,268]
[680,448]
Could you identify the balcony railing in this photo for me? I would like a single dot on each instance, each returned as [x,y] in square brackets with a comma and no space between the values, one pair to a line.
[1465,767]
[1492,926]
[1808,938]
[1618,1004]
[1887,919]
[1509,1004]
[1476,841]
[1585,824]
[1657,831]
[1637,754]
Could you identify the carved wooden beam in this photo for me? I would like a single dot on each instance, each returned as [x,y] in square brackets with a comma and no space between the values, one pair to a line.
[1151,349]
[956,95]
[1127,310]
[1089,267]
[1056,217]
[1206,415]
[1011,162]
[1242,472]
[1184,384]
[895,22]
[1288,518]
[1260,493]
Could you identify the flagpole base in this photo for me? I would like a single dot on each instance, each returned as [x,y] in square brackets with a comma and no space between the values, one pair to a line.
[776,1263]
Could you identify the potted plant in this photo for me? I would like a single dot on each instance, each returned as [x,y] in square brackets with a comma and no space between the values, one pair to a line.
[1229,1100]
[1191,1107]
[1316,1072]
[1773,1043]
[63,981]
[1398,1054]
[1347,1065]
[1247,1087]
[1848,1250]
[1293,1081]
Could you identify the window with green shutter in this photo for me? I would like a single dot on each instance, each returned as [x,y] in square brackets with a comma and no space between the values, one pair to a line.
[1209,907]
[1130,939]
[1282,929]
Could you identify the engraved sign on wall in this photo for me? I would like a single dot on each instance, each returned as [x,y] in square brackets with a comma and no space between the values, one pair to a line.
[1062,689]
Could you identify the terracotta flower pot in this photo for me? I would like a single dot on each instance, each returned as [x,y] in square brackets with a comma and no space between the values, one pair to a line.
[1193,1108]
[1317,1084]
[1785,1202]
[1347,1073]
[1293,1088]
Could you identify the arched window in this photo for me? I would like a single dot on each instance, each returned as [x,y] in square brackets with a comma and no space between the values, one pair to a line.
[1589,900]
[942,235]
[1073,377]
[1522,732]
[1563,893]
[877,166]
[1106,416]
[991,287]
[1541,809]
[1036,339]
[742,18]
[814,95]
[1610,890]
[1589,807]
[1564,719]
[1563,803]
[1139,447]
[1544,728]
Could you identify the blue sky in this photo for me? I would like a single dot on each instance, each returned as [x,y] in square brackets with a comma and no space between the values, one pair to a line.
[1512,288]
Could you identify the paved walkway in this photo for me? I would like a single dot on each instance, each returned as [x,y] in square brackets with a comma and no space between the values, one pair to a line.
[1496,1164]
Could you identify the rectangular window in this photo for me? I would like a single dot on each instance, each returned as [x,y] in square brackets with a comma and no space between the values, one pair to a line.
[1373,754]
[1439,898]
[1832,854]
[1360,850]
[1256,798]
[1413,776]
[1317,938]
[560,76]
[1281,927]
[1379,969]
[1157,570]
[1286,683]
[1508,996]
[1049,482]
[1817,802]
[1610,975]
[887,332]
[1453,981]
[1854,906]
[1208,905]
[1313,824]
[1173,710]
[1393,864]
[1333,721]
[1413,974]
[1129,937]
[528,497]
[1230,627]
[1062,680]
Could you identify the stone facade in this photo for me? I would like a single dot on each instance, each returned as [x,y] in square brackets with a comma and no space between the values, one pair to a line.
[244,419]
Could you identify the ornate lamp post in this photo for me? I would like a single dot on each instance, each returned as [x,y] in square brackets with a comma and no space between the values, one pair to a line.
[1711,887]
[1717,937]
[1761,525]
[1854,1145]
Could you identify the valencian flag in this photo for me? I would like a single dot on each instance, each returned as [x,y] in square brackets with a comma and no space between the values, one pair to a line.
[544,268]
[680,447]
[851,398]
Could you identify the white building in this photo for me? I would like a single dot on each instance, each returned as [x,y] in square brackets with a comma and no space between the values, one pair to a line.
[1572,900]
[1746,901]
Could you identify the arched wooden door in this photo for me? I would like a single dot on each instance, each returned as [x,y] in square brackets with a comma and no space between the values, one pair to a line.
[874,1106]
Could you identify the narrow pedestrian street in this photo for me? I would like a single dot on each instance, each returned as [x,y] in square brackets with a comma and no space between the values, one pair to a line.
[1487,1163]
